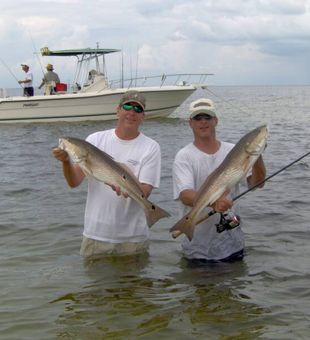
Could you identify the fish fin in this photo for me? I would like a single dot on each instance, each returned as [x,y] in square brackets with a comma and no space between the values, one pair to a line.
[184,225]
[86,169]
[154,214]
[129,171]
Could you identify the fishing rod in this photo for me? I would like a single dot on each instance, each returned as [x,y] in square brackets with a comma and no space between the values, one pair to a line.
[36,53]
[268,178]
[12,74]
[229,221]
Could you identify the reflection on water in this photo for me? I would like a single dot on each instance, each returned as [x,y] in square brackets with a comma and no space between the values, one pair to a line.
[120,302]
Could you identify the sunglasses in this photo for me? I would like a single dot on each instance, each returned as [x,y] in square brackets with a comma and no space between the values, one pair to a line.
[202,116]
[136,108]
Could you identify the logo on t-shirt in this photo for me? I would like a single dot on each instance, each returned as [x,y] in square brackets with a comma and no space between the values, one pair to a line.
[133,162]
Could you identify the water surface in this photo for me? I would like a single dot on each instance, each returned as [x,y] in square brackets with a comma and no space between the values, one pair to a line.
[47,291]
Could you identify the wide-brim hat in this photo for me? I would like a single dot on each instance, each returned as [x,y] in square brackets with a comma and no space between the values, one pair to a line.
[200,106]
[133,96]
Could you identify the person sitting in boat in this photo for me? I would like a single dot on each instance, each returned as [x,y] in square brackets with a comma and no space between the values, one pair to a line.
[28,88]
[49,80]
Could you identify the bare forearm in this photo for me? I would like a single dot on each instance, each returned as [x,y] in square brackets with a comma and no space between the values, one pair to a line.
[221,205]
[72,173]
[187,197]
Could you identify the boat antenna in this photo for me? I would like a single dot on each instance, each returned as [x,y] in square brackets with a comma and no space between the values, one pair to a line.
[136,76]
[12,74]
[130,67]
[122,69]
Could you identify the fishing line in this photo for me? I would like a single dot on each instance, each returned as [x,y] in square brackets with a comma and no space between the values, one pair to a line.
[274,174]
[12,74]
[226,101]
[36,53]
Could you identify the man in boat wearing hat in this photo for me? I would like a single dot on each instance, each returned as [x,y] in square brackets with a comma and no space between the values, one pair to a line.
[27,82]
[49,80]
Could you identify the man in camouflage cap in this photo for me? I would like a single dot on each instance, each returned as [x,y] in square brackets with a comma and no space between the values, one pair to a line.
[133,96]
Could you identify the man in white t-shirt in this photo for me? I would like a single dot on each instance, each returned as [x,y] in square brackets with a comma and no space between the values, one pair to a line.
[27,82]
[191,167]
[115,223]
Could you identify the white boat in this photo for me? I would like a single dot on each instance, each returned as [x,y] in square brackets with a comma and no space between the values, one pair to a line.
[93,97]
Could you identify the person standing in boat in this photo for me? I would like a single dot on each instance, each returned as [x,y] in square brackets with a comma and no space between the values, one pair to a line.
[27,82]
[49,80]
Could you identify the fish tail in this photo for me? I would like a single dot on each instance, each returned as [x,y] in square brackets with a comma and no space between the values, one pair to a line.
[155,213]
[183,226]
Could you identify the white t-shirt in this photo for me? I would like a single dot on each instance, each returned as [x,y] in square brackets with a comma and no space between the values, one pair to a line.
[28,77]
[190,169]
[113,218]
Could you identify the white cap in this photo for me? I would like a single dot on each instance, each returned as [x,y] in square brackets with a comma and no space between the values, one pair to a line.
[202,105]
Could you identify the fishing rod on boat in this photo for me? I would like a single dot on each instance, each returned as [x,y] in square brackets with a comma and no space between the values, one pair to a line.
[36,53]
[12,74]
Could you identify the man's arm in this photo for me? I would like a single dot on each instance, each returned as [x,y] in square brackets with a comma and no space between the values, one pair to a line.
[188,197]
[24,81]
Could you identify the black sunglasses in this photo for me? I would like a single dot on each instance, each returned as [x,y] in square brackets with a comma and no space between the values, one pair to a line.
[202,116]
[136,108]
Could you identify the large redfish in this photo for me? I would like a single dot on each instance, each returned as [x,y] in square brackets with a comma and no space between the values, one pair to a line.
[101,166]
[235,166]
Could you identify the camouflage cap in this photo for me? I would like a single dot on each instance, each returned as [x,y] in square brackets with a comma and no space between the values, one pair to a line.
[133,96]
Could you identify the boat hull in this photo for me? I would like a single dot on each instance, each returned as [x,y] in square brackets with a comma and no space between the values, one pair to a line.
[160,102]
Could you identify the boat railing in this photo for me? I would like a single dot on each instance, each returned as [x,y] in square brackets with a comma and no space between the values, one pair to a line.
[177,79]
[3,93]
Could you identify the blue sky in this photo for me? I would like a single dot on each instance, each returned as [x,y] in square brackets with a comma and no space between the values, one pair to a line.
[243,42]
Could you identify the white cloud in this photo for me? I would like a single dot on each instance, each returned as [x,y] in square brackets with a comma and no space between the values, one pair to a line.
[167,35]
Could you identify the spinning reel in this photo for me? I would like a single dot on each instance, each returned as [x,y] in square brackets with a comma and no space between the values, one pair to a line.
[228,221]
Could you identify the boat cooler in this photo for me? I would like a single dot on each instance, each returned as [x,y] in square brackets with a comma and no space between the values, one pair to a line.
[61,87]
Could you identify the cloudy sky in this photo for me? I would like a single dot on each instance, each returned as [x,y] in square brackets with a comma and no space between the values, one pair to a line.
[243,42]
